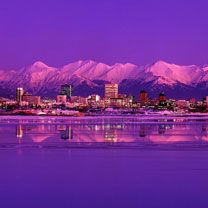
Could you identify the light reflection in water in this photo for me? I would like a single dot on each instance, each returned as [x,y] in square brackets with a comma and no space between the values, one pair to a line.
[19,131]
[90,133]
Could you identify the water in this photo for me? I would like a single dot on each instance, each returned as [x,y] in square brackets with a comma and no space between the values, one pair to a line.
[103,162]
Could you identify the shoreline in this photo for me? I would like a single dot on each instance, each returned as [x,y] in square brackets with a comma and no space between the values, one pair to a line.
[106,119]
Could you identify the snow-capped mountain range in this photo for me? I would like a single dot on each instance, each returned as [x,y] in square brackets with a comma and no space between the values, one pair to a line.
[89,77]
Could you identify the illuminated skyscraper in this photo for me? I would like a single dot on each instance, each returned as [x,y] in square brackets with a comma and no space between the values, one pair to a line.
[111,90]
[66,90]
[19,94]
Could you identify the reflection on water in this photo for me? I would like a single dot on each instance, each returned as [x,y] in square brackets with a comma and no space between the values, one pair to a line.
[66,132]
[154,133]
[103,164]
[19,131]
[161,133]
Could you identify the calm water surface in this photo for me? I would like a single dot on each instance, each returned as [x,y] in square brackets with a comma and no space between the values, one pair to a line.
[97,162]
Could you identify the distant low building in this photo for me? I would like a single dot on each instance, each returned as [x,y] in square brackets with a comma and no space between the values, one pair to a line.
[206,101]
[182,104]
[61,99]
[93,100]
[31,99]
[79,100]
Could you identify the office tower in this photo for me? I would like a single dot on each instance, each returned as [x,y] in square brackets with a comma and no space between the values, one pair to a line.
[111,90]
[66,90]
[19,94]
[143,96]
[162,97]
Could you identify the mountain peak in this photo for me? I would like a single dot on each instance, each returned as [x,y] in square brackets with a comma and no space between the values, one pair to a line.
[39,64]
[163,63]
[42,79]
[173,73]
[89,61]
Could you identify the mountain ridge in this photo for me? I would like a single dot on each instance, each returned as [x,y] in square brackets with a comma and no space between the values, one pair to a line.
[89,77]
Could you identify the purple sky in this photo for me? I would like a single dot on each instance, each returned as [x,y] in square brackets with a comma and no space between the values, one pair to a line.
[137,31]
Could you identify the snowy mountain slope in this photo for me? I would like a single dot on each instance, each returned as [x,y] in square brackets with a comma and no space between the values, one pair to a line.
[171,74]
[90,76]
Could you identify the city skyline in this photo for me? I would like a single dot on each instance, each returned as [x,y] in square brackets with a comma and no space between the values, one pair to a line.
[66,104]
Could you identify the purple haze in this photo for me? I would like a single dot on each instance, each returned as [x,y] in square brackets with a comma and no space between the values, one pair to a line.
[59,32]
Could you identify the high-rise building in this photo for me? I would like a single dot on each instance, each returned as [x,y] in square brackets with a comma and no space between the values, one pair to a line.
[19,94]
[66,89]
[143,96]
[111,90]
[162,97]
